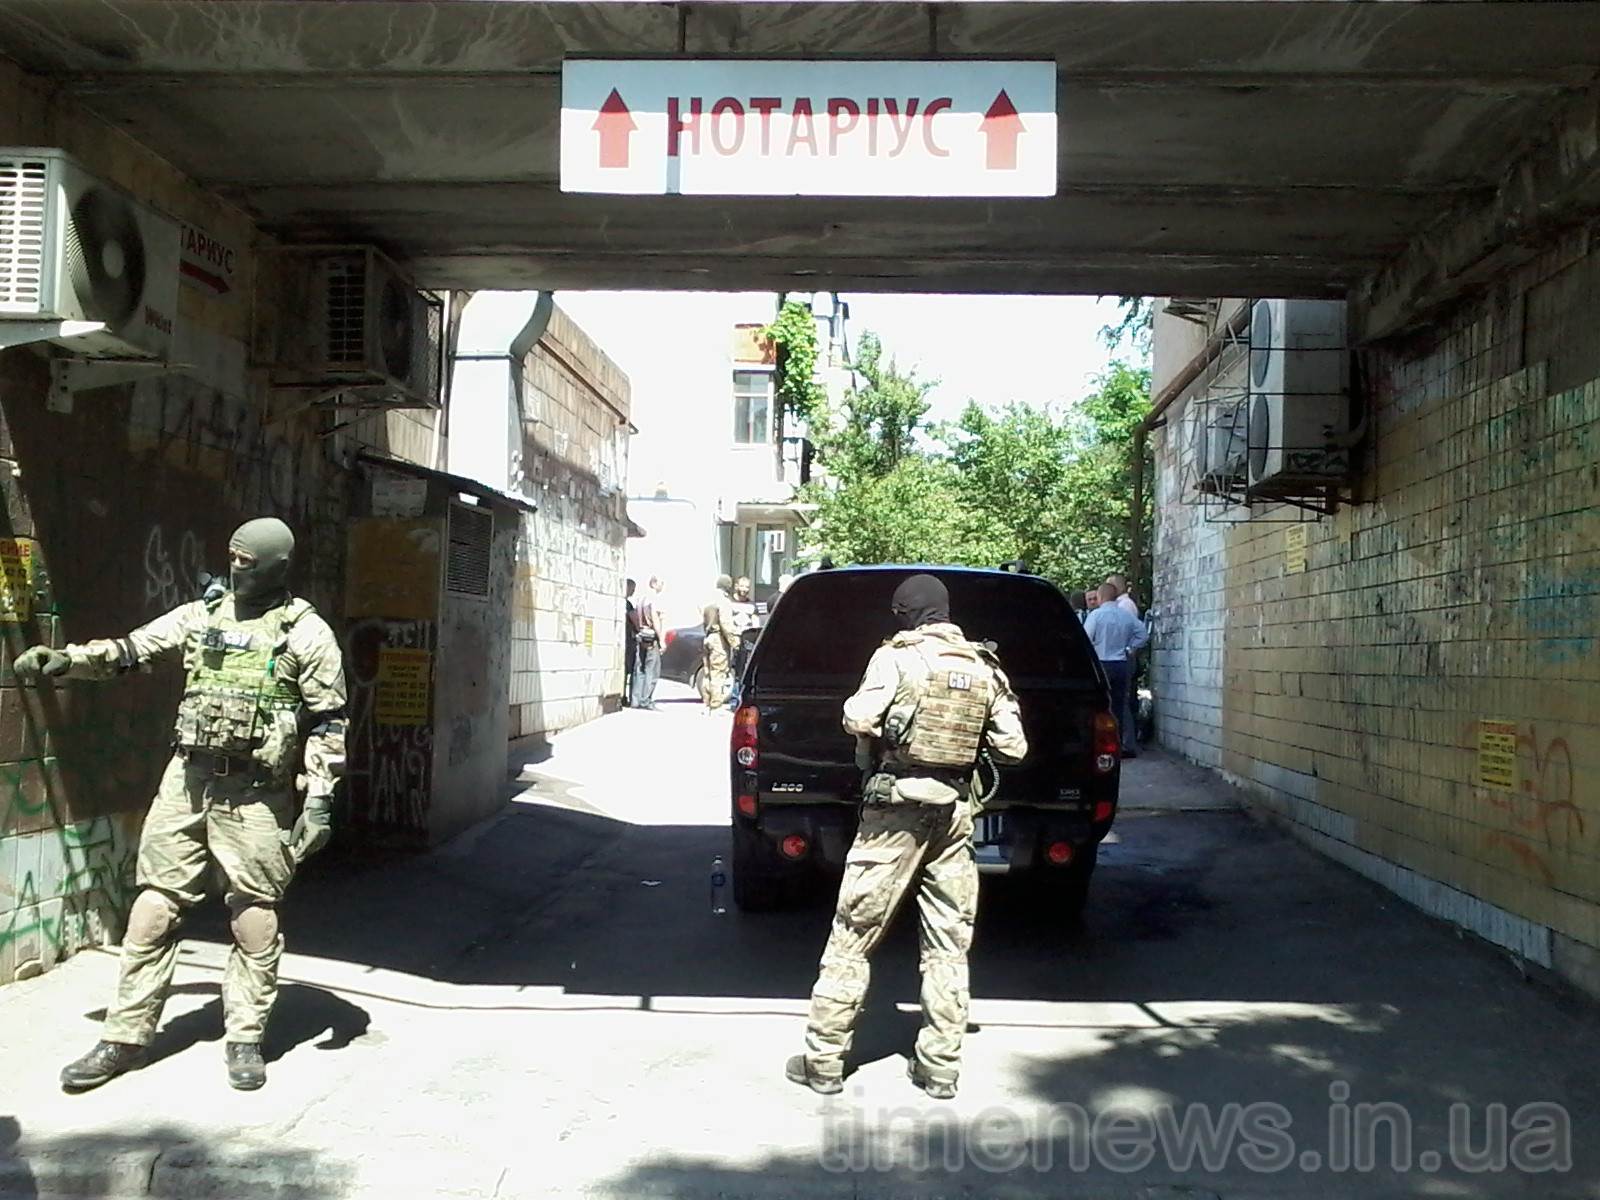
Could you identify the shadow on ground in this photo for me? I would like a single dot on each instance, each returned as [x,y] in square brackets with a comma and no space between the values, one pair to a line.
[160,1161]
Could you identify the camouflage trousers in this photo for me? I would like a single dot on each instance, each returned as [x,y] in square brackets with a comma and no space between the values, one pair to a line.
[899,846]
[714,673]
[203,825]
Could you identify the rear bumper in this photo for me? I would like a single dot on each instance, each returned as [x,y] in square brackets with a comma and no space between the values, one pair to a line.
[1023,834]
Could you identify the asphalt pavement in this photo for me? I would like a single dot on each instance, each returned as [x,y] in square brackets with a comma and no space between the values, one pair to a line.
[548,1006]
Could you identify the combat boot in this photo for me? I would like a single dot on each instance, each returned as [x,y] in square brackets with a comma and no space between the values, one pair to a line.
[937,1089]
[799,1071]
[246,1069]
[102,1064]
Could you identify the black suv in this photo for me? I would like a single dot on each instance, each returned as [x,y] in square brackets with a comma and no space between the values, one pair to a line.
[795,784]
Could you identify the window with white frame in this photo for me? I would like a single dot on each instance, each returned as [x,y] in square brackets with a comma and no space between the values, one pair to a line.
[752,407]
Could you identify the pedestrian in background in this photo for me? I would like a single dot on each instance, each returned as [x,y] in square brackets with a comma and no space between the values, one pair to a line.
[1117,637]
[1079,605]
[717,622]
[630,642]
[1125,600]
[652,635]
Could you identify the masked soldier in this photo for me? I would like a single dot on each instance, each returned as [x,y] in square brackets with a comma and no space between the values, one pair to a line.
[930,701]
[264,678]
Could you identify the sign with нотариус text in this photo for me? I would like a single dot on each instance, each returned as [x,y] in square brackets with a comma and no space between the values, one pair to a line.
[944,127]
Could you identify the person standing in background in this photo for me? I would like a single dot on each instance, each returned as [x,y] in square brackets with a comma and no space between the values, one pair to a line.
[1117,637]
[717,622]
[651,636]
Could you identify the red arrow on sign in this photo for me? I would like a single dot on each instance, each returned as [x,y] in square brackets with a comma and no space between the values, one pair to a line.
[1002,127]
[615,125]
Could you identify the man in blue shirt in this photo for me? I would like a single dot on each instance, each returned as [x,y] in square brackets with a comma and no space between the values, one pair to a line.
[1117,636]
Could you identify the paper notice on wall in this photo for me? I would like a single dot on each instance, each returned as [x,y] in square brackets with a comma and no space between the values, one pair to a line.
[398,496]
[1497,755]
[588,633]
[16,579]
[1294,549]
[403,684]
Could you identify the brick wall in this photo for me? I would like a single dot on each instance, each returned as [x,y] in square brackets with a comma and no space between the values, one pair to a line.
[1422,701]
[567,606]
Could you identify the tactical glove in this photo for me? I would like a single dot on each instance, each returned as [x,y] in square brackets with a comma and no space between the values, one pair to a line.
[313,829]
[40,660]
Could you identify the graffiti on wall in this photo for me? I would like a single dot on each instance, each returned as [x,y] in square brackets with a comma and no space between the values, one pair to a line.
[1530,779]
[390,762]
[226,439]
[173,564]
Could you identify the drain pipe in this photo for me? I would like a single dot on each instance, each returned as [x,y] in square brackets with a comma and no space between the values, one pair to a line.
[1190,371]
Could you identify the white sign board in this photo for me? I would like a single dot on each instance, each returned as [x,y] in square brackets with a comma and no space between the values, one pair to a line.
[784,128]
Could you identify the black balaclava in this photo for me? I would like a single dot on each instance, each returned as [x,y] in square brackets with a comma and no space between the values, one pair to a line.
[921,600]
[271,543]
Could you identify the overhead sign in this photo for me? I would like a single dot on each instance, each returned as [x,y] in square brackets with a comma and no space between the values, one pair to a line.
[784,128]
[205,263]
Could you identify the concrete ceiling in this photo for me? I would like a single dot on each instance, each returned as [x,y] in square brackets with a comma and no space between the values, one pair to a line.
[1206,148]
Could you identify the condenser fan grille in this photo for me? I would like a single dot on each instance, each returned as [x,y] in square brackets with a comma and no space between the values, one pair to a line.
[24,192]
[347,311]
[104,255]
[396,329]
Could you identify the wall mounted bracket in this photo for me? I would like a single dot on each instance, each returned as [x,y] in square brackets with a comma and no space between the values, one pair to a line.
[68,376]
[25,333]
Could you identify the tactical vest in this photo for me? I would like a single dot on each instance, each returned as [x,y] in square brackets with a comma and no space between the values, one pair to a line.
[951,704]
[234,703]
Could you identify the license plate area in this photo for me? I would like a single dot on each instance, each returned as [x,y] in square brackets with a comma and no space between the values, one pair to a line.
[990,829]
[988,839]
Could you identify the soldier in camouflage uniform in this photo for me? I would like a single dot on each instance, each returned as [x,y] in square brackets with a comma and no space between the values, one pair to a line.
[930,701]
[265,678]
[721,636]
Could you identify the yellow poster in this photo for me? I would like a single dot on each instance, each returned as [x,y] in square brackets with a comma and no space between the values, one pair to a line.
[588,634]
[1497,755]
[403,681]
[16,579]
[1294,549]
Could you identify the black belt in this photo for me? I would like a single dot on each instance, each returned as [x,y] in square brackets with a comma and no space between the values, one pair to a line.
[220,764]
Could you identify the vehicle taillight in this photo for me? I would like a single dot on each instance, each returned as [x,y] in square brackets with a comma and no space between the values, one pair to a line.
[1107,743]
[668,638]
[747,804]
[794,846]
[1059,853]
[746,735]
[1104,810]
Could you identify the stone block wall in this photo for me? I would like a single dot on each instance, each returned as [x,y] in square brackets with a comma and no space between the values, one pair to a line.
[567,603]
[1422,700]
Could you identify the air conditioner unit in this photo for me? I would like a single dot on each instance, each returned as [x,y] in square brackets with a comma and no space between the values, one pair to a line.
[1299,393]
[76,249]
[1220,446]
[351,319]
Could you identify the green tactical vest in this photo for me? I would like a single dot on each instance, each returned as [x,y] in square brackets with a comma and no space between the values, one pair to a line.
[233,702]
[951,704]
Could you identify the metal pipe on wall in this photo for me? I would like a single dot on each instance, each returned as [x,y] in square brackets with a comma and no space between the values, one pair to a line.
[1180,383]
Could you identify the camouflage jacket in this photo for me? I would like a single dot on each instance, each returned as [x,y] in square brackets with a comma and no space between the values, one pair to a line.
[311,665]
[894,677]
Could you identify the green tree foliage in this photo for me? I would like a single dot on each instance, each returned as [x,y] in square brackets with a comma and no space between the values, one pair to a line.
[1020,482]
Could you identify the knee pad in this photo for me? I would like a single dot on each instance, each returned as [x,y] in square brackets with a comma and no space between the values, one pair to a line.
[255,928]
[153,918]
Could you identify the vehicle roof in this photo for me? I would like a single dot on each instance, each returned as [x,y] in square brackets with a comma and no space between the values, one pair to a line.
[944,568]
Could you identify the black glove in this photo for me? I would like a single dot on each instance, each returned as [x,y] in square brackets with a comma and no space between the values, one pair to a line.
[40,660]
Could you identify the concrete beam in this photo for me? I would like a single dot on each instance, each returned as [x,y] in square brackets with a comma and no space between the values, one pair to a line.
[1553,186]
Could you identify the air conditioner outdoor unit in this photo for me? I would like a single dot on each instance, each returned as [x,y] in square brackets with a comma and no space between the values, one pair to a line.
[1299,393]
[1220,446]
[351,319]
[76,249]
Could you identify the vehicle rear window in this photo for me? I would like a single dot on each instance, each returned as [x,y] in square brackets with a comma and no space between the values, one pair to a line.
[830,622]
